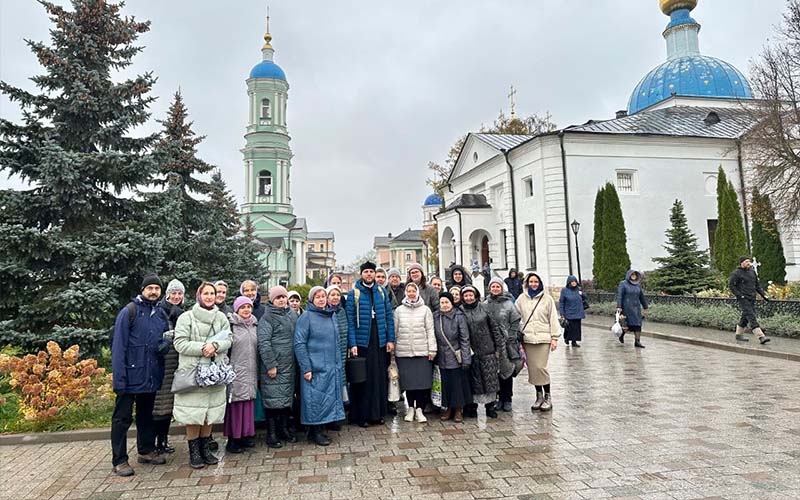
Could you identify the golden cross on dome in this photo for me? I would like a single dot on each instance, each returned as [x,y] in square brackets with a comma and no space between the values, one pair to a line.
[267,36]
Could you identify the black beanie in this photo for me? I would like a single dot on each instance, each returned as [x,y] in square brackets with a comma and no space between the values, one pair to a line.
[368,265]
[448,296]
[150,279]
[743,258]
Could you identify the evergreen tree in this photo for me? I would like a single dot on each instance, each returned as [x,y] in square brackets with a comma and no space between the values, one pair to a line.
[598,263]
[767,245]
[73,247]
[223,205]
[616,261]
[729,239]
[685,269]
[248,264]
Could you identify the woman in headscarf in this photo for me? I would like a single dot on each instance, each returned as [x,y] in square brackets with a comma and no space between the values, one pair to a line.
[456,293]
[630,301]
[514,283]
[570,306]
[316,346]
[540,330]
[249,289]
[340,314]
[487,342]
[458,277]
[501,308]
[453,358]
[240,427]
[415,348]
[295,302]
[428,294]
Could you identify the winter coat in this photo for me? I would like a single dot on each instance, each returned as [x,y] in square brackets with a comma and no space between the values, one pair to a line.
[276,350]
[359,323]
[631,299]
[453,326]
[137,364]
[226,309]
[316,345]
[466,280]
[164,397]
[514,285]
[396,295]
[487,342]
[258,307]
[413,330]
[744,284]
[244,358]
[429,296]
[502,311]
[200,405]
[340,314]
[570,301]
[538,318]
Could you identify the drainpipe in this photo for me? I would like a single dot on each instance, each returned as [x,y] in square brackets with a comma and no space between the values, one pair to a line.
[460,239]
[744,194]
[513,209]
[566,196]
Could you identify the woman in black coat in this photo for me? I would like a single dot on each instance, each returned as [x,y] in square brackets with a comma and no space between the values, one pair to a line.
[453,357]
[162,406]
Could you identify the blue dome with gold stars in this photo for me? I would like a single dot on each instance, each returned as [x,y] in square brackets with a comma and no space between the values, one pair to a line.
[433,200]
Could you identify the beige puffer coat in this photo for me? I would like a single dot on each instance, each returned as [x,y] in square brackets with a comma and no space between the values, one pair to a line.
[543,325]
[413,330]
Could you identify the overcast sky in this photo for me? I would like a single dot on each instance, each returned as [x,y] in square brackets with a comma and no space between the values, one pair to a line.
[380,88]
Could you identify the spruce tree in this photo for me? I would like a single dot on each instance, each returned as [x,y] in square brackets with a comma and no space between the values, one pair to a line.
[685,269]
[767,245]
[248,262]
[616,261]
[598,262]
[729,239]
[73,247]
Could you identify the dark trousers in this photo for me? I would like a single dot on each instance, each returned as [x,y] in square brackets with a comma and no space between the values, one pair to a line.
[748,307]
[121,421]
[506,389]
[161,428]
[418,398]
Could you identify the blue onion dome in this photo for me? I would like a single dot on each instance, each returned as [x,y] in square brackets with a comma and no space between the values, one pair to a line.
[433,200]
[267,69]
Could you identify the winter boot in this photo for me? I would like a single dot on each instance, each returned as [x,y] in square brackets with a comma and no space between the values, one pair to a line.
[284,430]
[195,456]
[740,334]
[638,344]
[248,442]
[575,343]
[622,338]
[490,411]
[471,411]
[446,415]
[234,446]
[459,415]
[537,405]
[316,437]
[761,336]
[151,458]
[272,435]
[213,445]
[547,403]
[206,453]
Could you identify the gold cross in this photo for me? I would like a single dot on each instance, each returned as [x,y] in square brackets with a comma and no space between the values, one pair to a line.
[511,95]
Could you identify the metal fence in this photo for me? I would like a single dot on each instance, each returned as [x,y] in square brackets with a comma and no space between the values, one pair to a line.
[763,308]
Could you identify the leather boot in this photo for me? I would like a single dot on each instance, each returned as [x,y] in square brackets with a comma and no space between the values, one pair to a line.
[740,334]
[195,457]
[490,411]
[206,453]
[213,445]
[234,446]
[459,415]
[446,415]
[284,430]
[272,435]
[315,436]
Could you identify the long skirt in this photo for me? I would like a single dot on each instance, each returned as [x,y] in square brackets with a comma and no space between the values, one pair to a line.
[456,390]
[538,355]
[369,400]
[239,421]
[415,373]
[572,333]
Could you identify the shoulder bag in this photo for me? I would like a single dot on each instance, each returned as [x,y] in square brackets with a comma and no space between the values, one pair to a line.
[521,333]
[456,353]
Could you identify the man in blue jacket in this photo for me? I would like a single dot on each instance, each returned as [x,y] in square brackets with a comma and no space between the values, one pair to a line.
[137,365]
[370,331]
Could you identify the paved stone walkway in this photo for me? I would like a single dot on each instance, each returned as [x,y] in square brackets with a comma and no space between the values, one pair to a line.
[674,421]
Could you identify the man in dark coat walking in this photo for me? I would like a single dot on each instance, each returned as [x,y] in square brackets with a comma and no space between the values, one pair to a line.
[744,286]
[137,365]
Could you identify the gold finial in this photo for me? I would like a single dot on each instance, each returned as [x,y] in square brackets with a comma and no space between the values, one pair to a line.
[670,6]
[267,36]
[513,106]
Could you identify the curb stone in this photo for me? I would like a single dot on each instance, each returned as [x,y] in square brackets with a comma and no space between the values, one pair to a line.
[98,434]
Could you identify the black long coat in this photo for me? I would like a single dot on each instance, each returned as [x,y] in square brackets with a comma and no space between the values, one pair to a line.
[487,342]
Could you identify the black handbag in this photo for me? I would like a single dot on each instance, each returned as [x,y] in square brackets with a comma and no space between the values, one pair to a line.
[356,369]
[564,322]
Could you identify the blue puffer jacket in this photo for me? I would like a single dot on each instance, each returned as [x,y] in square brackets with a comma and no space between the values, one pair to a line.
[359,323]
[136,364]
[631,299]
[316,346]
[570,302]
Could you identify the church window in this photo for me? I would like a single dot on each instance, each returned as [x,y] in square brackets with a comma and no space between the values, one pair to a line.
[627,181]
[528,183]
[266,111]
[531,236]
[265,183]
[711,183]
[310,247]
[475,157]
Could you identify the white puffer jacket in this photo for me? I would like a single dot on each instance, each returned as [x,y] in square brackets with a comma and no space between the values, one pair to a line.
[413,330]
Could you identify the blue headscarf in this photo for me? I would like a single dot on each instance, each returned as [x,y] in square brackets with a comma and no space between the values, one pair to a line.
[533,293]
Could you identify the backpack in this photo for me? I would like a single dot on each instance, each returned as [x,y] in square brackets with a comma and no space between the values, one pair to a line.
[131,307]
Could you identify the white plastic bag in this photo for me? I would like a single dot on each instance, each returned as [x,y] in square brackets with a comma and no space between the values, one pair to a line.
[394,382]
[616,328]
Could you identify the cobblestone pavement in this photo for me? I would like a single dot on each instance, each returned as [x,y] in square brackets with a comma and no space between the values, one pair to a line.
[671,422]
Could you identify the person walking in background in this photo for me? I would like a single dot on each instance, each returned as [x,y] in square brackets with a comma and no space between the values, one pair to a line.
[630,301]
[222,297]
[744,285]
[540,330]
[370,330]
[201,407]
[415,348]
[453,358]
[294,302]
[500,307]
[316,346]
[171,304]
[277,370]
[396,287]
[138,369]
[570,307]
[249,289]
[487,342]
[458,277]
[240,426]
[428,294]
[513,283]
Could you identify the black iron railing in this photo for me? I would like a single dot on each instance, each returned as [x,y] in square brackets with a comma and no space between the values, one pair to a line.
[763,308]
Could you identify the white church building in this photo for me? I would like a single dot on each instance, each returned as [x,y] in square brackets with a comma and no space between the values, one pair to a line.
[511,199]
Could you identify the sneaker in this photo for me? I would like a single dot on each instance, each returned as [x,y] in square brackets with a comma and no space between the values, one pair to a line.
[124,470]
[547,403]
[409,415]
[421,416]
[506,406]
[764,339]
[151,458]
[537,405]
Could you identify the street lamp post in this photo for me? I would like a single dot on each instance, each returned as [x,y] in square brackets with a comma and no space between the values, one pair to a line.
[575,227]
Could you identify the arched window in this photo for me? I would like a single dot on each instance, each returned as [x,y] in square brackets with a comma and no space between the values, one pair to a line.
[266,111]
[265,183]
